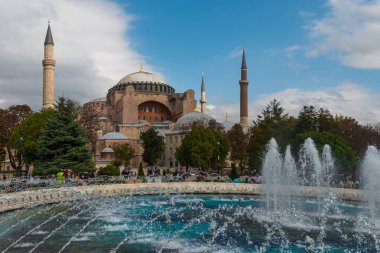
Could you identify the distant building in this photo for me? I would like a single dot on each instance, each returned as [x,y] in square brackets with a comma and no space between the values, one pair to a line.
[141,100]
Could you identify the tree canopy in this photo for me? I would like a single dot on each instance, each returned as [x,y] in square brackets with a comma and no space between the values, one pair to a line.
[273,122]
[153,144]
[30,131]
[203,148]
[63,142]
[123,153]
[10,118]
[347,138]
[345,159]
[239,145]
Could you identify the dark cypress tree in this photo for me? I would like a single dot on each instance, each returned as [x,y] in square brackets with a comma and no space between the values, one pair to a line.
[233,174]
[63,142]
[140,172]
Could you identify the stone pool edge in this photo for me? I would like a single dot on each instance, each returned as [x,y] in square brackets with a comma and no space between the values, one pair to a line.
[11,201]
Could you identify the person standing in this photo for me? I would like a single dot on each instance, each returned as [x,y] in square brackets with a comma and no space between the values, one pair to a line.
[60,177]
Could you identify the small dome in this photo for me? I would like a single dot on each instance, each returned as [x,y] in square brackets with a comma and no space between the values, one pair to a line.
[188,119]
[114,136]
[107,150]
[141,77]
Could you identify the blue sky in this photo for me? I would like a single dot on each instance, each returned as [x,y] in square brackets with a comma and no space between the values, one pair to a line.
[321,52]
[182,39]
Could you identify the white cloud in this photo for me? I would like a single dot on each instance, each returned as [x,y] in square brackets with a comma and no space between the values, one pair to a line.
[351,31]
[348,99]
[236,52]
[306,14]
[92,48]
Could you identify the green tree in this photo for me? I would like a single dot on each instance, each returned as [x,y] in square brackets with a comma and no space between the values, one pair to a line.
[203,148]
[153,144]
[140,172]
[239,145]
[357,135]
[123,153]
[344,156]
[63,142]
[325,120]
[9,119]
[273,122]
[307,120]
[30,131]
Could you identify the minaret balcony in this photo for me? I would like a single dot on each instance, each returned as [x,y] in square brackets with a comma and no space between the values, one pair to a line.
[48,62]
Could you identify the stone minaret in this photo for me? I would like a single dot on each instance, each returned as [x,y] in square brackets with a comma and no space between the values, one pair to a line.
[244,94]
[49,66]
[203,96]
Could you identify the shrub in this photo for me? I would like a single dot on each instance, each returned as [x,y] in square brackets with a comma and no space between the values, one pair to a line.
[109,170]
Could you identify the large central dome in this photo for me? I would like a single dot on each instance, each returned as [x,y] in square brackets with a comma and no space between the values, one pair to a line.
[143,82]
[141,77]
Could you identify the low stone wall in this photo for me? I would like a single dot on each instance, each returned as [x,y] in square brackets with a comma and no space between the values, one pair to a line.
[11,201]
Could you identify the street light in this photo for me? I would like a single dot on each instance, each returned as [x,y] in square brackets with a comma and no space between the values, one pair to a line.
[218,144]
[20,158]
[5,153]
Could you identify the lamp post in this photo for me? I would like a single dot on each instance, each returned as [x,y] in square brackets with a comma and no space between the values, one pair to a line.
[217,166]
[19,172]
[5,153]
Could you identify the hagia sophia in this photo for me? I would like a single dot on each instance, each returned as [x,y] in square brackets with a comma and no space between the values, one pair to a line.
[141,100]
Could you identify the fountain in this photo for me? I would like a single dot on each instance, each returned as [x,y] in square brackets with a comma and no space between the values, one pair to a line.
[171,217]
[371,179]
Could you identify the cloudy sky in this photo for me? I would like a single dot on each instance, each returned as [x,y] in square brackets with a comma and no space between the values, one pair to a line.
[324,53]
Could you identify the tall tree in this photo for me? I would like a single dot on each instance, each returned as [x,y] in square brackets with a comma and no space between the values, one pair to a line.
[239,146]
[9,119]
[307,120]
[203,148]
[273,122]
[153,144]
[357,135]
[325,120]
[89,119]
[30,130]
[123,153]
[63,142]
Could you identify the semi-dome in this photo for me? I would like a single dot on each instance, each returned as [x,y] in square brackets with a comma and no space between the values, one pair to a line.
[114,136]
[187,120]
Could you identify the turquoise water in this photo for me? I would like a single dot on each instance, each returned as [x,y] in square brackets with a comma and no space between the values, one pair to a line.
[186,223]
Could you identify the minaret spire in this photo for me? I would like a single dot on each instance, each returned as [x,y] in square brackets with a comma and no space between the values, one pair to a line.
[48,64]
[243,62]
[203,96]
[244,94]
[49,36]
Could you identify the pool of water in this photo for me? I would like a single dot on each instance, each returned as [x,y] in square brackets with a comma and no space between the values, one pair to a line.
[188,223]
